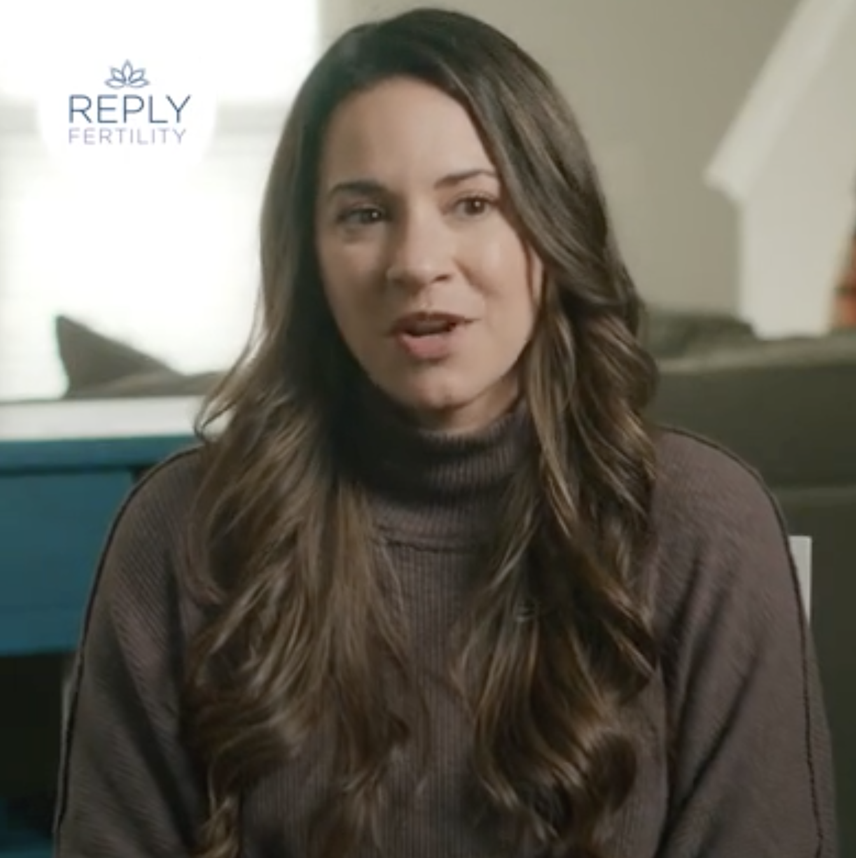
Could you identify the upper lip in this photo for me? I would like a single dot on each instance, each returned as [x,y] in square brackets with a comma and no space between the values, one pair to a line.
[402,323]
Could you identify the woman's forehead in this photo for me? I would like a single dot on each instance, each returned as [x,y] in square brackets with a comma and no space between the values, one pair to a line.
[401,130]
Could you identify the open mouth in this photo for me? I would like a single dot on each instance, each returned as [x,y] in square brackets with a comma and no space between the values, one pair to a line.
[428,337]
[427,324]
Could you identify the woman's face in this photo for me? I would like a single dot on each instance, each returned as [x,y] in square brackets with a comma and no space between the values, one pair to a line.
[431,287]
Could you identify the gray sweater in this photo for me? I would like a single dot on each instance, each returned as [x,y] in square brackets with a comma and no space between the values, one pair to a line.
[735,760]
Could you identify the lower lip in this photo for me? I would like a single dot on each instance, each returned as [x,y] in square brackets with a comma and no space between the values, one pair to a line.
[431,347]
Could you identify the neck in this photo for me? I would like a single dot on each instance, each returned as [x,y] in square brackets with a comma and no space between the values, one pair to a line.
[435,484]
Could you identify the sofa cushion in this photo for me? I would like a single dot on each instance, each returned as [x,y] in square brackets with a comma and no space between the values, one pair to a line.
[786,406]
[91,359]
[149,384]
[669,333]
[101,367]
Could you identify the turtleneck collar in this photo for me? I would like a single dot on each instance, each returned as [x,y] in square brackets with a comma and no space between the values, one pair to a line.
[433,486]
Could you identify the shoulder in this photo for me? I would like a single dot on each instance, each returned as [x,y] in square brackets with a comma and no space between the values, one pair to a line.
[158,505]
[145,538]
[704,490]
[719,533]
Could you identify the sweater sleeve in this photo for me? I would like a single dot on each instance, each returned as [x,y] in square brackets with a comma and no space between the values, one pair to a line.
[751,771]
[126,784]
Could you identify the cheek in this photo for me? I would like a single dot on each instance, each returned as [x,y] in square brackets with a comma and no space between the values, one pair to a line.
[514,290]
[347,280]
[520,317]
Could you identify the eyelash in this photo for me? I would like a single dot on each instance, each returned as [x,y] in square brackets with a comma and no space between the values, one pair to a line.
[349,215]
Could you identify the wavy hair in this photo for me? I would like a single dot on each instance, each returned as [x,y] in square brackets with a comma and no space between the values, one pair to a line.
[297,612]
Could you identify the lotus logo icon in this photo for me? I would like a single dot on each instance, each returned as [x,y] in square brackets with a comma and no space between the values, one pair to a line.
[127,76]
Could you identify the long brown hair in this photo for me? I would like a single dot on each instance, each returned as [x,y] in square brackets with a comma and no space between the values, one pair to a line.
[298,619]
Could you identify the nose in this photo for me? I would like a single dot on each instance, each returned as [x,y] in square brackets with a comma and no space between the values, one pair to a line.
[420,252]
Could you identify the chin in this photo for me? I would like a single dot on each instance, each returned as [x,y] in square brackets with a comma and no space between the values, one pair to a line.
[452,403]
[427,399]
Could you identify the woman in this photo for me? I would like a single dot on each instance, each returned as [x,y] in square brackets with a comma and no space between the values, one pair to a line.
[433,587]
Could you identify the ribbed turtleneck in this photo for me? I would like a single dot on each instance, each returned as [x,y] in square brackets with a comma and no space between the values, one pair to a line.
[431,486]
[736,699]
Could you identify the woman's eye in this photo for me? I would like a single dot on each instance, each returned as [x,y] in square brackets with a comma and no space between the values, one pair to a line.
[361,216]
[475,206]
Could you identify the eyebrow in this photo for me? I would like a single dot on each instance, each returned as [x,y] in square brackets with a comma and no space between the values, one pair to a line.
[372,186]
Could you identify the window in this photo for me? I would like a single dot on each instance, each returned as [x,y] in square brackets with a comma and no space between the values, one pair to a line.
[169,268]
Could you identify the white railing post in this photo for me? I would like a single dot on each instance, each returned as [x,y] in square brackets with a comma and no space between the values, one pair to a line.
[801,552]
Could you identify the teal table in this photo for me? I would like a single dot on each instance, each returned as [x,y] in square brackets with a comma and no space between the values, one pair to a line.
[65,467]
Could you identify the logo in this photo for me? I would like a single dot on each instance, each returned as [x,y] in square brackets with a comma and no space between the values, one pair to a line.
[127,119]
[127,76]
[127,122]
